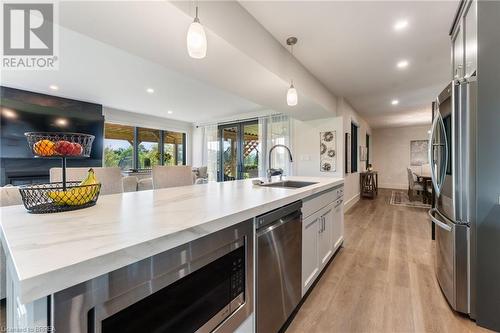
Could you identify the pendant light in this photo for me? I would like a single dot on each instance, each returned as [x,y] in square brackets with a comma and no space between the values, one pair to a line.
[196,39]
[291,95]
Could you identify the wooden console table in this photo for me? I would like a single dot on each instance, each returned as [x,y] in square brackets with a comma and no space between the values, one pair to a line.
[368,182]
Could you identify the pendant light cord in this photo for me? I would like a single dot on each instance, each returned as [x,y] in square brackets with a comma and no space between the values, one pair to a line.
[291,51]
[196,19]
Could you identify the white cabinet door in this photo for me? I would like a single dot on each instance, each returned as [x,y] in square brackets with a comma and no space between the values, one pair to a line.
[338,223]
[310,263]
[458,53]
[471,39]
[325,244]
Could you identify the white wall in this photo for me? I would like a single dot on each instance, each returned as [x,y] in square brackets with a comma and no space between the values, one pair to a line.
[116,116]
[351,180]
[305,146]
[197,146]
[391,152]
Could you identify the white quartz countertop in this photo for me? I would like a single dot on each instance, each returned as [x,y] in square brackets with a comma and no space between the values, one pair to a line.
[51,252]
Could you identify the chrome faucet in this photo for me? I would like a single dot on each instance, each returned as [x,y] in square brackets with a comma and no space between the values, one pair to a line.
[274,172]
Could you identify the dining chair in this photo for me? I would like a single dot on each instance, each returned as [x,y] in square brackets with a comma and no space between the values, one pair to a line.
[10,195]
[110,178]
[172,176]
[130,183]
[413,186]
[145,184]
[201,175]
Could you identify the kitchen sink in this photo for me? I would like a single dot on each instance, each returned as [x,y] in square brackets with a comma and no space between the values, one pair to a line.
[289,184]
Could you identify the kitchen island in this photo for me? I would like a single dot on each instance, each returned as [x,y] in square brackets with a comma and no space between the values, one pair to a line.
[50,253]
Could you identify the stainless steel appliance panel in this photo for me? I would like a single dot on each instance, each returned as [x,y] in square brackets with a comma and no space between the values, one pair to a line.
[451,263]
[470,193]
[279,266]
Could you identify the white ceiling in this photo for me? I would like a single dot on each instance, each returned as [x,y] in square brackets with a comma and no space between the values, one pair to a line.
[352,48]
[112,51]
[96,72]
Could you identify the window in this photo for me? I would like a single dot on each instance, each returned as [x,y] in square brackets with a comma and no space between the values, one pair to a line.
[119,146]
[354,148]
[173,148]
[367,150]
[148,154]
[130,147]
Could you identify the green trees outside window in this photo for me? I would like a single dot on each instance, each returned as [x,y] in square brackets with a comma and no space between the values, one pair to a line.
[131,147]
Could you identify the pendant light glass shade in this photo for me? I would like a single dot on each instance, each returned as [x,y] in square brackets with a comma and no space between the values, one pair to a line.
[196,39]
[291,96]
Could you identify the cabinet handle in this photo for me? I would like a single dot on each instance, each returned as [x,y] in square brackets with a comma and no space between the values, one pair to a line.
[321,224]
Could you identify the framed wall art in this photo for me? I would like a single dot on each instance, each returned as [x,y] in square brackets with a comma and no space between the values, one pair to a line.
[363,153]
[328,151]
[347,150]
[419,152]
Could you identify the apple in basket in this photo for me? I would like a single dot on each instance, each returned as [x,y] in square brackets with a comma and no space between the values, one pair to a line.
[64,147]
[77,149]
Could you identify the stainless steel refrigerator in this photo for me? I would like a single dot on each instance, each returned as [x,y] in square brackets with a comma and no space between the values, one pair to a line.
[452,159]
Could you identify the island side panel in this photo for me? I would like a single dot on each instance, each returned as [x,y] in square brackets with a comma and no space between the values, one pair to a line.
[30,317]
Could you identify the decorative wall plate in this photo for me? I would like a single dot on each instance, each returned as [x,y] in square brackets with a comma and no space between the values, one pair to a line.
[327,150]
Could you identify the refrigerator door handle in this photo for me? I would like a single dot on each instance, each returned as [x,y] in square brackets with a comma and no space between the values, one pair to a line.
[431,153]
[436,221]
[443,164]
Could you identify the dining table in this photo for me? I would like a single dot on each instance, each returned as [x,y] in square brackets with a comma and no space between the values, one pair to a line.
[425,179]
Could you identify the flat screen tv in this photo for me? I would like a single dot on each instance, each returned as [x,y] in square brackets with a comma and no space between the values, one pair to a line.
[24,111]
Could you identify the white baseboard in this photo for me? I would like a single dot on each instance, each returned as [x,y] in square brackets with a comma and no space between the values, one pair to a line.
[349,203]
[393,186]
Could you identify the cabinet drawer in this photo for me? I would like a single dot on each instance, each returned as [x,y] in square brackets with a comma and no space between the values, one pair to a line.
[313,204]
[339,192]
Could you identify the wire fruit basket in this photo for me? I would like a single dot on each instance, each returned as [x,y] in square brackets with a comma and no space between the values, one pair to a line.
[54,144]
[54,197]
[60,196]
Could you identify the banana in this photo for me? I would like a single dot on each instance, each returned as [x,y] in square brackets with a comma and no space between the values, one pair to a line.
[78,195]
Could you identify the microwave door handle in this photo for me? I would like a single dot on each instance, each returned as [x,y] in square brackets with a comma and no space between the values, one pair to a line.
[436,221]
[431,152]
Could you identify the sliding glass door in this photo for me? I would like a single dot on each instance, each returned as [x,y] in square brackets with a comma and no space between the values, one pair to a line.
[238,155]
[229,151]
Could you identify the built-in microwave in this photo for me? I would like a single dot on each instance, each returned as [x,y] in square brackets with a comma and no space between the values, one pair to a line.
[202,286]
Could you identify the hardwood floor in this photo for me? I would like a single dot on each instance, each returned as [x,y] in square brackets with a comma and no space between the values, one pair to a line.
[382,280]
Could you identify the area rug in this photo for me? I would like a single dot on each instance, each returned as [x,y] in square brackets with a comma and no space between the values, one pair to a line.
[400,198]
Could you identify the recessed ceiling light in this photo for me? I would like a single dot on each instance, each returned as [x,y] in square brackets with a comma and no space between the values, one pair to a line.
[402,64]
[54,87]
[170,111]
[150,90]
[394,102]
[62,122]
[400,25]
[8,113]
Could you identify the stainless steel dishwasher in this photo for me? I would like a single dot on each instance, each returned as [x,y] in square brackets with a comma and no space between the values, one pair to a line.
[278,266]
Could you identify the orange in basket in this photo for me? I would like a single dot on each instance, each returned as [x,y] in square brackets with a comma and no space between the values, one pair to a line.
[44,148]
